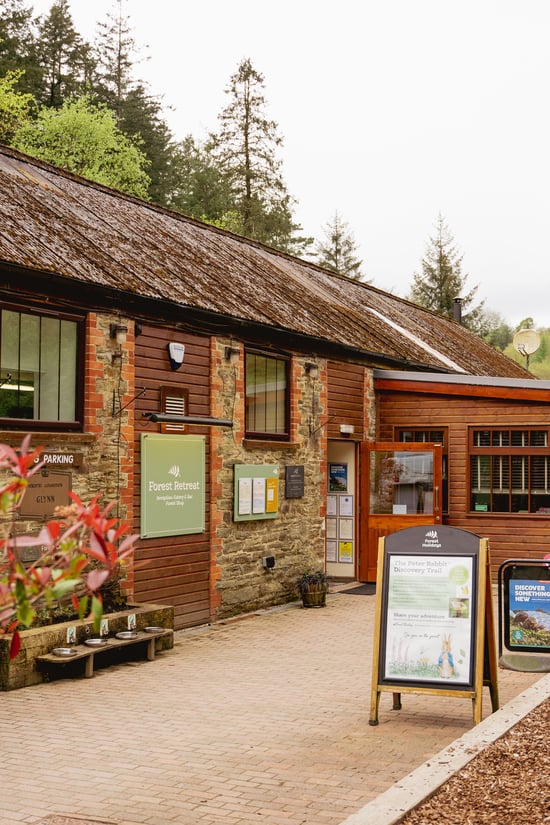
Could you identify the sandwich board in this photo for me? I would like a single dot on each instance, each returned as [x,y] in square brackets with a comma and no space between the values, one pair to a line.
[434,624]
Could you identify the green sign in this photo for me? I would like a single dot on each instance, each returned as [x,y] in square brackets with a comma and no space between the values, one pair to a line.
[172,485]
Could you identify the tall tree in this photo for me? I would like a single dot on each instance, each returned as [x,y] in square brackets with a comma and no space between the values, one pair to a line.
[442,280]
[64,56]
[245,149]
[116,48]
[18,50]
[138,113]
[198,187]
[338,251]
[85,139]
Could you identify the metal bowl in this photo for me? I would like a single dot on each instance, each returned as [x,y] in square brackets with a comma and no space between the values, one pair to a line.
[64,651]
[153,629]
[127,634]
[95,642]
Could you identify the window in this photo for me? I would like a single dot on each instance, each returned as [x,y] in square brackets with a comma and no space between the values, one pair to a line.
[38,367]
[266,390]
[412,434]
[510,471]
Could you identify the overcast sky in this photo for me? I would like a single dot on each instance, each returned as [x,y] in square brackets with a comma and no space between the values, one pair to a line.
[392,111]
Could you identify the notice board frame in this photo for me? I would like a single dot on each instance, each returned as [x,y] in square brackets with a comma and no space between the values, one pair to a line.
[456,556]
[522,656]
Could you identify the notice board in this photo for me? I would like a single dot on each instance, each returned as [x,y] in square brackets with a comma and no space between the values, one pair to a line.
[434,627]
[256,492]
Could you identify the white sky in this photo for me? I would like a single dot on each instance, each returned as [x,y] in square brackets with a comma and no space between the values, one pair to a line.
[392,111]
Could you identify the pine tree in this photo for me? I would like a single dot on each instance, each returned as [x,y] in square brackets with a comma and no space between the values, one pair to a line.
[245,150]
[442,281]
[64,56]
[18,50]
[338,253]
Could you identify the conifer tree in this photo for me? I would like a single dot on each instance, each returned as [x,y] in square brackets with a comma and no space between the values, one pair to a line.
[64,56]
[338,252]
[245,150]
[442,280]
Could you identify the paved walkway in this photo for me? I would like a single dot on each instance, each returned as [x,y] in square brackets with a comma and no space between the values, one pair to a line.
[261,720]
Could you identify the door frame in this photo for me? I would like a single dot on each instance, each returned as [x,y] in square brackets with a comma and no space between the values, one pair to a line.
[372,526]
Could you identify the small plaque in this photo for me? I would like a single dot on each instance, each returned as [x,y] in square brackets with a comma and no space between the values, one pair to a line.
[294,481]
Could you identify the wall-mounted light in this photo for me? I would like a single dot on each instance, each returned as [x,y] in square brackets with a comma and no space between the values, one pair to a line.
[232,354]
[176,353]
[118,332]
[347,429]
[312,369]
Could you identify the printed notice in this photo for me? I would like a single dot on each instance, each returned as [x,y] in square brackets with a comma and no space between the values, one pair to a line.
[245,496]
[258,495]
[429,618]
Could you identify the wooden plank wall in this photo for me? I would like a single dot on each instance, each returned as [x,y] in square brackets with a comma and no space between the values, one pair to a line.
[345,385]
[173,570]
[510,535]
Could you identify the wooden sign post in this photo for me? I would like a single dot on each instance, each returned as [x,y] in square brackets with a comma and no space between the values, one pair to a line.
[434,622]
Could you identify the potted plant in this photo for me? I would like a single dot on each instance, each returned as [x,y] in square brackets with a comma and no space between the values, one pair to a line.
[313,587]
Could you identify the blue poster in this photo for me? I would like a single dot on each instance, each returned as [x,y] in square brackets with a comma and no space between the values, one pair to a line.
[338,478]
[529,613]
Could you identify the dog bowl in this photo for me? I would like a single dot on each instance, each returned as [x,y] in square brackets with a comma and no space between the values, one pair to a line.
[127,634]
[64,651]
[96,642]
[153,629]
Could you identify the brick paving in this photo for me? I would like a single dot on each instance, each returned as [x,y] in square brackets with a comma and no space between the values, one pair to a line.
[259,720]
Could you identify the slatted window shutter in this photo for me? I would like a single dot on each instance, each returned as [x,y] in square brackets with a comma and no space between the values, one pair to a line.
[173,402]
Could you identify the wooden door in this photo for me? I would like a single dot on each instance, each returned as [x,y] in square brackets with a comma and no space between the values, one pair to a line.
[400,487]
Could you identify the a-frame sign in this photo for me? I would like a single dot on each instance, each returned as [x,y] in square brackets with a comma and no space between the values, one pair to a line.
[434,624]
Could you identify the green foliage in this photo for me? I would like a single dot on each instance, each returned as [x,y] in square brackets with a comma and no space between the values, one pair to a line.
[442,280]
[84,139]
[79,551]
[15,107]
[338,252]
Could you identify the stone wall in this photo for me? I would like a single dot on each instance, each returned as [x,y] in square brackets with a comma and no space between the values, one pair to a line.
[295,538]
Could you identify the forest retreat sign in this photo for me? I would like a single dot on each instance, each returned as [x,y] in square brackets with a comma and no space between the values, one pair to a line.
[172,485]
[434,624]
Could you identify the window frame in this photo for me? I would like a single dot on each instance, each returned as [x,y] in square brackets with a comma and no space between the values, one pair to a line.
[43,424]
[428,433]
[516,457]
[268,435]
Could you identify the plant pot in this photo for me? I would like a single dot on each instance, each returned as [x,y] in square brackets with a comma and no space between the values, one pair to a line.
[315,597]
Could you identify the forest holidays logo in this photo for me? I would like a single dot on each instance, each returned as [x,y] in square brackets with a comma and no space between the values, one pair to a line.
[431,540]
[174,471]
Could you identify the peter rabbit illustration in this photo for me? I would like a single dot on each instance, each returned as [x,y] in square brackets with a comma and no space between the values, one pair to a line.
[445,661]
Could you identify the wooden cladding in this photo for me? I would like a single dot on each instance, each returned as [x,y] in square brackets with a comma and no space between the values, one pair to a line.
[173,570]
[346,398]
[511,535]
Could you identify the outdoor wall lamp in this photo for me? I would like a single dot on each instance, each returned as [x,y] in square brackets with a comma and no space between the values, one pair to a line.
[232,354]
[311,369]
[118,332]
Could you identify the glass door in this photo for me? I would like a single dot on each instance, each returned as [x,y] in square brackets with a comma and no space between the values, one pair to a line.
[401,487]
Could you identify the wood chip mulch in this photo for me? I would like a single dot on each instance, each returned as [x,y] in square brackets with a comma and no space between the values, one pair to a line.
[507,783]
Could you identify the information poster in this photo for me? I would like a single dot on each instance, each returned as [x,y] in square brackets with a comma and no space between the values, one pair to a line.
[529,626]
[429,619]
[345,552]
[338,478]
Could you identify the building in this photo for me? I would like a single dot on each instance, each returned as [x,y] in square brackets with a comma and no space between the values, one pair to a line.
[228,396]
